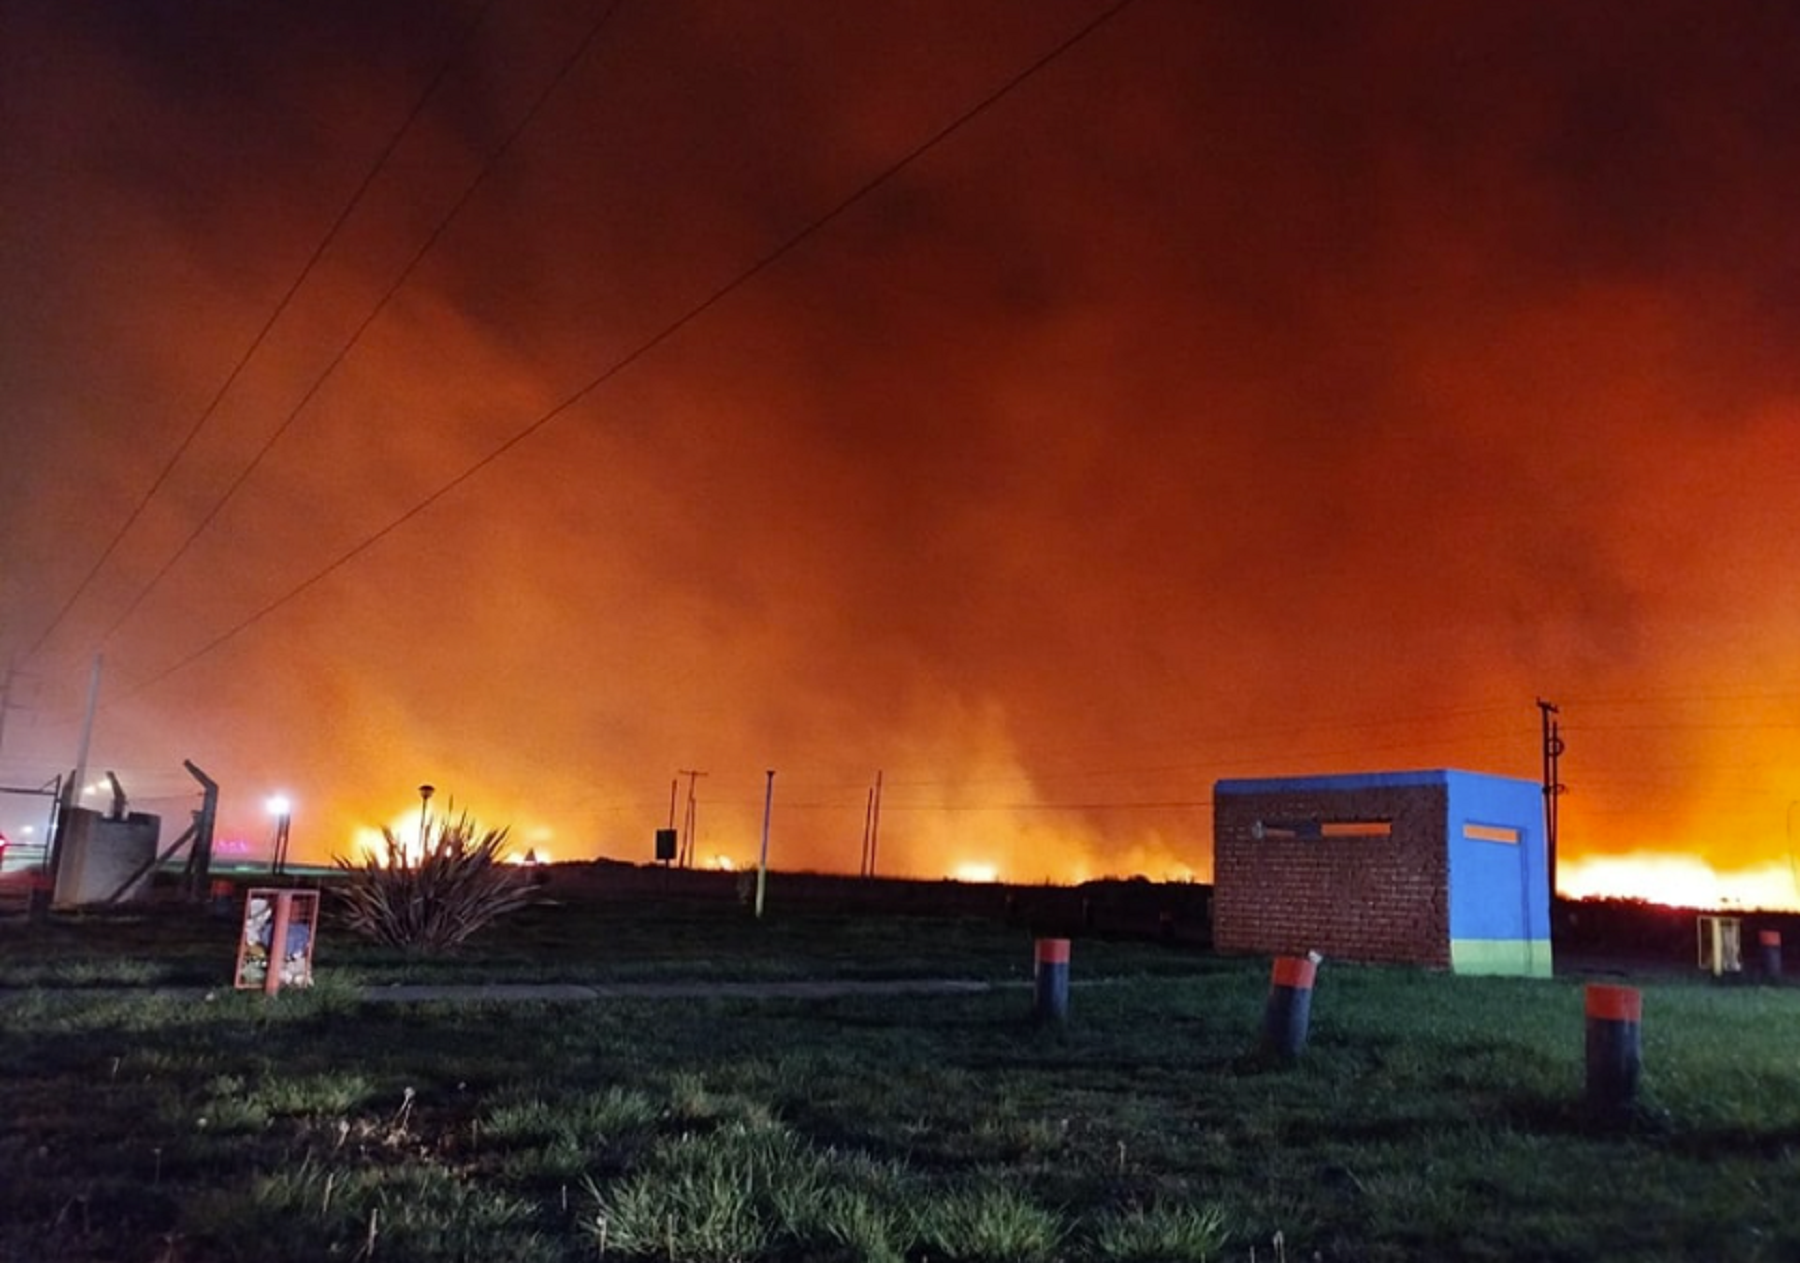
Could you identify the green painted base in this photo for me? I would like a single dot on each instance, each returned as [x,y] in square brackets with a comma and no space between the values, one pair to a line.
[1526,958]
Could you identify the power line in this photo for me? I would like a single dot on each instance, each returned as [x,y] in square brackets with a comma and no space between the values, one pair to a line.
[644,348]
[1177,804]
[1666,699]
[256,343]
[374,313]
[1685,727]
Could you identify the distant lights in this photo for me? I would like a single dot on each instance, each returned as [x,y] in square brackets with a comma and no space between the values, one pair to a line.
[975,873]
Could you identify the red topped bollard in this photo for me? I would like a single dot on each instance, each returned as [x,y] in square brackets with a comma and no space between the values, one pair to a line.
[1050,981]
[1288,1012]
[1615,1047]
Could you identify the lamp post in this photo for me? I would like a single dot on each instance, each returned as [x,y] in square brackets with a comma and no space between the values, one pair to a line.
[425,793]
[762,864]
[1793,869]
[283,811]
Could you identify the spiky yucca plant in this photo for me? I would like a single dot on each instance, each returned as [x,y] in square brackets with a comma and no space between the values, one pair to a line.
[433,901]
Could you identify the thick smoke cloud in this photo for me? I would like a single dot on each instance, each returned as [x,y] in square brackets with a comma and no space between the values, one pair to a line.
[1247,392]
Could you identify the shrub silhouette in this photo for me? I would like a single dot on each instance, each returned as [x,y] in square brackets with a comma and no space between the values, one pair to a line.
[432,901]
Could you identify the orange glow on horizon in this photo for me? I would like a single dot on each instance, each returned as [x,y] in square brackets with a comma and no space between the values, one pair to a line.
[411,829]
[1015,562]
[1680,881]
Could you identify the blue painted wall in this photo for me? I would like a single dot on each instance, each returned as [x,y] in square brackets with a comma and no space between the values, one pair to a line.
[1498,890]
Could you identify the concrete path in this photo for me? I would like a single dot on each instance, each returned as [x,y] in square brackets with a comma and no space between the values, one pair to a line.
[404,993]
[539,992]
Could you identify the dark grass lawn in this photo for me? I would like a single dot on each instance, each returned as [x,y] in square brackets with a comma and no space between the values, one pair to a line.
[1431,1117]
[560,941]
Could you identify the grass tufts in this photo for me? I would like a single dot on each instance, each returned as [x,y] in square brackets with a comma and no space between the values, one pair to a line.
[991,1225]
[1162,1234]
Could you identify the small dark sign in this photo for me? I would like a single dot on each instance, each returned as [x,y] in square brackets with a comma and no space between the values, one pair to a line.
[665,845]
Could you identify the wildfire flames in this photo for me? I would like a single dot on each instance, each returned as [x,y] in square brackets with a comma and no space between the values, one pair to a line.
[1680,881]
[1235,390]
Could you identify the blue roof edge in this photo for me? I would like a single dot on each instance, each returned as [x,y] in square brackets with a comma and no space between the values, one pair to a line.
[1356,781]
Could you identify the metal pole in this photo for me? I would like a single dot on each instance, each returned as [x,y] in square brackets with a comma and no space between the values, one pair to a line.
[1793,868]
[52,840]
[1553,788]
[875,826]
[862,866]
[762,865]
[199,866]
[279,865]
[425,793]
[690,824]
[87,731]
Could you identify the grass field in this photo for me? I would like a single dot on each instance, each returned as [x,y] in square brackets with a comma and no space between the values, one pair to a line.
[1430,1118]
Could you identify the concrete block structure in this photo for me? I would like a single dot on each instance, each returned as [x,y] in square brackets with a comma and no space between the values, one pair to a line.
[1439,868]
[102,858]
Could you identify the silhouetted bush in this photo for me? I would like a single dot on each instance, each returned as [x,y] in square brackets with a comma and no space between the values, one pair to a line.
[433,900]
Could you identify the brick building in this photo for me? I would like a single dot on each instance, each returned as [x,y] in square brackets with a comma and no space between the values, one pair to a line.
[1439,868]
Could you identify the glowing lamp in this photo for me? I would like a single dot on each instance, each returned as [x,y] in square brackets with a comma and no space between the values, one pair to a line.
[282,809]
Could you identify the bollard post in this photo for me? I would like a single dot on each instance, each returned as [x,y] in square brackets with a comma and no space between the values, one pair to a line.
[1051,981]
[1615,1047]
[1769,941]
[1289,1008]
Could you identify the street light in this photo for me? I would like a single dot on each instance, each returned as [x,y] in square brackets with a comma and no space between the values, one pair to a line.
[283,810]
[1793,869]
[425,793]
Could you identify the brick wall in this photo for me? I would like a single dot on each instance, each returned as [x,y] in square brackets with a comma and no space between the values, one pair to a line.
[1373,899]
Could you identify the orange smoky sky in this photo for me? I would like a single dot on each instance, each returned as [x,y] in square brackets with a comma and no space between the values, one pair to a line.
[1234,390]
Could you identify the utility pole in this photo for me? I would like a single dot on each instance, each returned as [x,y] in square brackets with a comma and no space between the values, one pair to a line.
[862,863]
[685,857]
[87,733]
[8,692]
[762,864]
[425,793]
[875,824]
[871,829]
[1553,787]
